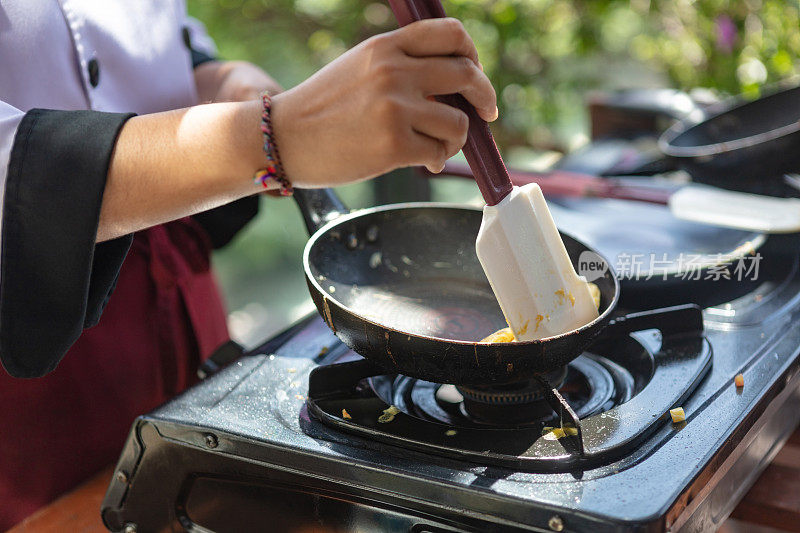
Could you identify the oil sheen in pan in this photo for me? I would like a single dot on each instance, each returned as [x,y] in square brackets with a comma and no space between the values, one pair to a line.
[466,315]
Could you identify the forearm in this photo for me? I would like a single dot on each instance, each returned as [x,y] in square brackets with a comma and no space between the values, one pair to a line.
[366,113]
[174,164]
[232,81]
[208,77]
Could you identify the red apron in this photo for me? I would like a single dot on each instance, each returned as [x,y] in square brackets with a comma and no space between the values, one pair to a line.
[163,318]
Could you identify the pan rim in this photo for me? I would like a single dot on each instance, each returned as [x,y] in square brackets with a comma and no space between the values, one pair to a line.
[707,150]
[601,318]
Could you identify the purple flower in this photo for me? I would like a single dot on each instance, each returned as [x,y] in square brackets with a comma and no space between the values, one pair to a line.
[726,33]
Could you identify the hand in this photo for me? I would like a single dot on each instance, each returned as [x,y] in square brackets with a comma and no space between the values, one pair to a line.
[372,109]
[368,112]
[232,81]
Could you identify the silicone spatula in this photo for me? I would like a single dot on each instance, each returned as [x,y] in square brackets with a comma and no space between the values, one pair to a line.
[518,244]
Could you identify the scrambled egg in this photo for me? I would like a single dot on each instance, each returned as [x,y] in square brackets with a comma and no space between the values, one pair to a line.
[595,292]
[388,414]
[506,335]
[501,335]
[551,433]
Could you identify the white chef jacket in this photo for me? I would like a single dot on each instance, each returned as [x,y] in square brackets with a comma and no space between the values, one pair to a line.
[71,73]
[48,47]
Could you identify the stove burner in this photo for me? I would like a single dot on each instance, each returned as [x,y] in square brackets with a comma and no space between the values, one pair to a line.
[492,402]
[613,396]
[514,393]
[591,384]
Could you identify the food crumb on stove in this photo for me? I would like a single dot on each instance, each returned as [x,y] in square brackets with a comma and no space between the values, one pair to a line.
[551,433]
[678,415]
[388,414]
[739,380]
[299,396]
[291,370]
[346,415]
[450,432]
[322,351]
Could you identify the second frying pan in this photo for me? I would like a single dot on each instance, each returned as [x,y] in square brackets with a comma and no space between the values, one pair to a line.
[402,286]
[748,147]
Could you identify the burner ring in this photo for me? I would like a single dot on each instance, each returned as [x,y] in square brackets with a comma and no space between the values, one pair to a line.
[517,393]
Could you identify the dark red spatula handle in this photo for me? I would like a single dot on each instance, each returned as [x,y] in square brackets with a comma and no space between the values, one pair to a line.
[480,150]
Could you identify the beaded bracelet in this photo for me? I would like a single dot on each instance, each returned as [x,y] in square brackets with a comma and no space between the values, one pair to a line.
[273,172]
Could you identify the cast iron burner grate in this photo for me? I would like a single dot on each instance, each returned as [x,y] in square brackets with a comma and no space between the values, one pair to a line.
[590,384]
[611,398]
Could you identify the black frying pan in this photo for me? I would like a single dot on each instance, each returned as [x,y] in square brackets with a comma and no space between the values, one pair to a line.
[748,147]
[402,286]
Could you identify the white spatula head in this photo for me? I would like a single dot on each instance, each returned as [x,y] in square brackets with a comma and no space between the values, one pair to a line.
[751,212]
[529,269]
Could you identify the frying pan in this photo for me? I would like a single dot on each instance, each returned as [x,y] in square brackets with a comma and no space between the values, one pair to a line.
[748,147]
[401,285]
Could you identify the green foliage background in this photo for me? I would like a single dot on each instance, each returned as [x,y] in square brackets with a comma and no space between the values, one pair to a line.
[541,55]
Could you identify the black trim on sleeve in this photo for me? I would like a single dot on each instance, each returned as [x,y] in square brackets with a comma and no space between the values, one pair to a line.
[198,57]
[224,222]
[54,279]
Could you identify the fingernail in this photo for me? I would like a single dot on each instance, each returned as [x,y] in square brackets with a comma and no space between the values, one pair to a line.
[495,114]
[480,66]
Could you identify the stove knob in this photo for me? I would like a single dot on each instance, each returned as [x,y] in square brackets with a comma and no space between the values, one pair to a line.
[556,523]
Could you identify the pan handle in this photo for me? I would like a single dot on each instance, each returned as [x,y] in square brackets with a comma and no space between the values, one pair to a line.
[686,318]
[318,207]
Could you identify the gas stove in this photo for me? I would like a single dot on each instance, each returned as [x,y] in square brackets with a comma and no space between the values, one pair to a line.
[302,434]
